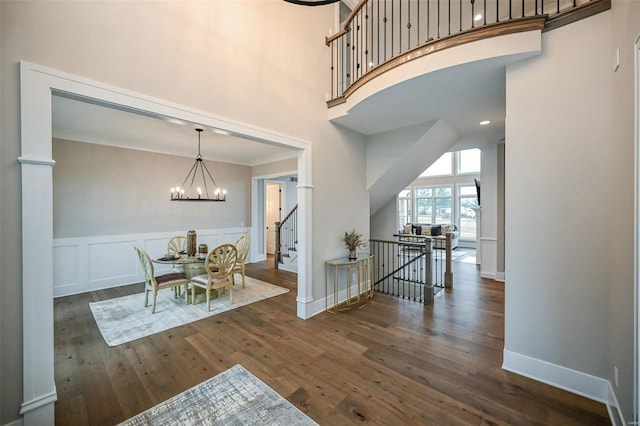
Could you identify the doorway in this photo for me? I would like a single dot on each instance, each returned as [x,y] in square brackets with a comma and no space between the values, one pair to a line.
[273,213]
[37,86]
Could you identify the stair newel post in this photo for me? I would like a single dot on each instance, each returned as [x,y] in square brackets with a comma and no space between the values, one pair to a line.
[278,252]
[448,274]
[427,297]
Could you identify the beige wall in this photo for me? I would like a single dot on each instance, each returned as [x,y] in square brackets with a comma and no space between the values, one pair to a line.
[569,202]
[102,190]
[626,19]
[258,62]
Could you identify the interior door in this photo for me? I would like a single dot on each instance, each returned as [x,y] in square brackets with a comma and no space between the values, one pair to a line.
[273,198]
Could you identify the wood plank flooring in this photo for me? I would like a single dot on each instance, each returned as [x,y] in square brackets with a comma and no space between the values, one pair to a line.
[393,362]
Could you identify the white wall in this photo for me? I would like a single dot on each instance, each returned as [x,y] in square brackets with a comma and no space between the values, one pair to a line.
[384,222]
[559,164]
[626,16]
[232,59]
[489,197]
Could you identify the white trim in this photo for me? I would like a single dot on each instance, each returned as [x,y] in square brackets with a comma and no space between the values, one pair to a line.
[636,233]
[37,86]
[500,276]
[39,402]
[259,254]
[489,275]
[37,160]
[592,387]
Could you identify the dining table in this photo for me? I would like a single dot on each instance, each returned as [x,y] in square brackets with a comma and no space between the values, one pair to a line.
[193,265]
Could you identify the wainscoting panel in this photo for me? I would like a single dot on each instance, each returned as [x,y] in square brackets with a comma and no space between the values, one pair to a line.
[93,263]
[111,260]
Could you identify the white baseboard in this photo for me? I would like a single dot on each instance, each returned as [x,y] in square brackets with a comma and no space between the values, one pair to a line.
[500,276]
[489,275]
[318,306]
[592,387]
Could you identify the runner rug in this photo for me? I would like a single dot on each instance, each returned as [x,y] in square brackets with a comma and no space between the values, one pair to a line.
[233,397]
[124,319]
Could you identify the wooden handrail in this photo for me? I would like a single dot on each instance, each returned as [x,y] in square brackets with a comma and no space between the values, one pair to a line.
[347,25]
[372,49]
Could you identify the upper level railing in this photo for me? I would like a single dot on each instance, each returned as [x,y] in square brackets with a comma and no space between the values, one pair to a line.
[379,35]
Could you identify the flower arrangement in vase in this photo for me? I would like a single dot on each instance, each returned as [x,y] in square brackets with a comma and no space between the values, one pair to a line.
[353,241]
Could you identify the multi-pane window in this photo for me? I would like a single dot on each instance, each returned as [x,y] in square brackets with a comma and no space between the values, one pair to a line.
[404,208]
[467,201]
[443,207]
[433,204]
[432,199]
[424,205]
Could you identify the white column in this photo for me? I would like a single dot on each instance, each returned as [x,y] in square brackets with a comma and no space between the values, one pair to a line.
[478,212]
[305,260]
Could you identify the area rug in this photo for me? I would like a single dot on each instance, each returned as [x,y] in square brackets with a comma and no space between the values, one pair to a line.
[233,397]
[124,319]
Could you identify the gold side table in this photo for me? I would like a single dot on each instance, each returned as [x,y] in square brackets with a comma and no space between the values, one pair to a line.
[344,270]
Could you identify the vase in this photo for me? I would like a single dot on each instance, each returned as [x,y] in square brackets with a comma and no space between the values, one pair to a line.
[191,243]
[352,254]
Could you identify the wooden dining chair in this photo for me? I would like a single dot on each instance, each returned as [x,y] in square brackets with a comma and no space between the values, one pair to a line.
[242,246]
[218,264]
[153,283]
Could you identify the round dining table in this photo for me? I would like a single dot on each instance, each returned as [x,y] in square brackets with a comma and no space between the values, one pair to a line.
[193,265]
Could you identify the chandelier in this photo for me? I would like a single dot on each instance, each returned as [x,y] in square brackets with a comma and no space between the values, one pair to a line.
[197,177]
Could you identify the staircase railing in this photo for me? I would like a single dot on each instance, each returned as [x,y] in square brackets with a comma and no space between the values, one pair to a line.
[286,236]
[412,269]
[379,35]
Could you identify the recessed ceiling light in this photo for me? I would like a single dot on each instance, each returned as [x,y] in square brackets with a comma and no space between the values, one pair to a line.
[477,17]
[484,123]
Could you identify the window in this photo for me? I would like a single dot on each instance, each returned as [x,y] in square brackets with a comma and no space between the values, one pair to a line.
[424,205]
[404,207]
[467,201]
[444,194]
[441,167]
[433,204]
[469,161]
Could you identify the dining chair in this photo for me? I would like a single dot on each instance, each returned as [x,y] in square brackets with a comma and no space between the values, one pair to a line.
[242,246]
[218,264]
[153,283]
[177,245]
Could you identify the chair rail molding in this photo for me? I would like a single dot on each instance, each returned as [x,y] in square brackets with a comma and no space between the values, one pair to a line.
[37,86]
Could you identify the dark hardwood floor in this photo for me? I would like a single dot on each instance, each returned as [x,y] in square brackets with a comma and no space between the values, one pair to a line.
[393,362]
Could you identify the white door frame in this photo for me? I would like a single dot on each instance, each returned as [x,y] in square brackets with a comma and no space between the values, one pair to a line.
[37,86]
[257,214]
[283,194]
[636,260]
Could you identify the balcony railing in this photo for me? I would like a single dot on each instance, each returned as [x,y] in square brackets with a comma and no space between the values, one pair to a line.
[413,269]
[379,35]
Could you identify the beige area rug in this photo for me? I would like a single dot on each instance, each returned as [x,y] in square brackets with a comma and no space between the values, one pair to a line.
[233,397]
[124,319]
